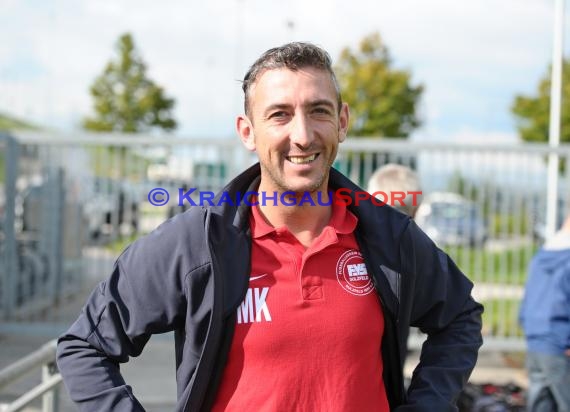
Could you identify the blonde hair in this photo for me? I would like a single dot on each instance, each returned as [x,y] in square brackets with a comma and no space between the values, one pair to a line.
[397,178]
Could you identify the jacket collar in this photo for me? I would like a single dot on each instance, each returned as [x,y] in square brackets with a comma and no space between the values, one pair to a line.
[237,211]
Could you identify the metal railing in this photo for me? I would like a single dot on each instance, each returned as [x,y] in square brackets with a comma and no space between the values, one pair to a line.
[56,227]
[43,358]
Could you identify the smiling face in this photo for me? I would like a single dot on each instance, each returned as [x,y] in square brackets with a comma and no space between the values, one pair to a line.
[295,126]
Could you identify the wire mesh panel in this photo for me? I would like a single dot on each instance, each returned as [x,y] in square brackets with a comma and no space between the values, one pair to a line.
[77,201]
[485,207]
[80,200]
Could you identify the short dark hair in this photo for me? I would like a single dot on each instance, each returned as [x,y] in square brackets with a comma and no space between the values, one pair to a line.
[293,56]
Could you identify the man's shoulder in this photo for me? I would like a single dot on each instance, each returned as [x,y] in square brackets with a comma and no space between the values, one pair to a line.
[178,239]
[391,220]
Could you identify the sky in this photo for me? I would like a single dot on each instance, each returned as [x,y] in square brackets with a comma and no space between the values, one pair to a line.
[472,57]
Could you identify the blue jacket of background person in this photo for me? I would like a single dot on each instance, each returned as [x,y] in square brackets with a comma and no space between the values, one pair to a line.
[545,309]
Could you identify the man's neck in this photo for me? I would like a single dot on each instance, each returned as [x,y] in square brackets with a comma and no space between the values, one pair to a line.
[305,221]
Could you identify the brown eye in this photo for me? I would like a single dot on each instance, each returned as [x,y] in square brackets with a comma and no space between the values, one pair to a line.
[279,115]
[321,111]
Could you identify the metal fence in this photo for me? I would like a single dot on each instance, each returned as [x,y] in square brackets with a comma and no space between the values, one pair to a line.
[69,204]
[47,390]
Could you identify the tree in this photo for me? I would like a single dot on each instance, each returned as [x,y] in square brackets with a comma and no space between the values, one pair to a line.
[125,99]
[533,112]
[382,101]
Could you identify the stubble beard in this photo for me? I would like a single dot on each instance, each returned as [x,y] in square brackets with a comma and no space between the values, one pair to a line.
[280,184]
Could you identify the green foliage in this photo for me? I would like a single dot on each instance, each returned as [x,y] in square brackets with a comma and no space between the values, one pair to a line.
[125,99]
[115,162]
[11,123]
[533,112]
[381,99]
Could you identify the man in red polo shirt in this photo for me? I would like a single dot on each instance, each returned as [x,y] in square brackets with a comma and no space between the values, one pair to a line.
[315,342]
[290,300]
[308,333]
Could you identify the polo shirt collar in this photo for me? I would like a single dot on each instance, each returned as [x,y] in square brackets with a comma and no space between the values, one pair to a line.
[342,221]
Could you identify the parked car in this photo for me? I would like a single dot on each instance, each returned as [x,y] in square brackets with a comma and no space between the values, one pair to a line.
[451,220]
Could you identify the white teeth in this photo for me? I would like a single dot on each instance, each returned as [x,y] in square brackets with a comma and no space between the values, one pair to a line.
[299,160]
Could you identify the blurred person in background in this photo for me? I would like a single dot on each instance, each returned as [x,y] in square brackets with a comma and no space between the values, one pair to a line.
[274,306]
[395,178]
[545,319]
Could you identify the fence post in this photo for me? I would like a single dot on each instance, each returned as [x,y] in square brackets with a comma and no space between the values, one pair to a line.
[50,399]
[51,238]
[9,253]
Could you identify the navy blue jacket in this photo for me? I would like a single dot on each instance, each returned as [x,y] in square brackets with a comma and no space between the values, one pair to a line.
[191,273]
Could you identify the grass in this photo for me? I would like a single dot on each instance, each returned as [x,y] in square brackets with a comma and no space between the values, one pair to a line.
[481,266]
[508,266]
[501,318]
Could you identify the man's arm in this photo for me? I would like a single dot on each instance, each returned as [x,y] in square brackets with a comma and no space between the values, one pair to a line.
[143,296]
[89,353]
[443,308]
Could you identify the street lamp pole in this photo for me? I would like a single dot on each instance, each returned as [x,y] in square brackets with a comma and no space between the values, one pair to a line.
[554,124]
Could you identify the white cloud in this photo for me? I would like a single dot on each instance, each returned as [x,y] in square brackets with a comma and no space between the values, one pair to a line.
[471,56]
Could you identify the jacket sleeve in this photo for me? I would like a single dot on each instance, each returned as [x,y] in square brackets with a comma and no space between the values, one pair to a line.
[442,307]
[142,296]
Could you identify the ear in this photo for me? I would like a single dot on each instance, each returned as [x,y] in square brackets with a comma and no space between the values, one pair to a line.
[245,130]
[343,120]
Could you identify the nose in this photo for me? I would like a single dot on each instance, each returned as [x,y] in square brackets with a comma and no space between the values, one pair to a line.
[301,134]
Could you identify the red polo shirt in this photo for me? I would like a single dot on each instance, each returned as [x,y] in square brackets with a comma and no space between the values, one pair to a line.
[309,330]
